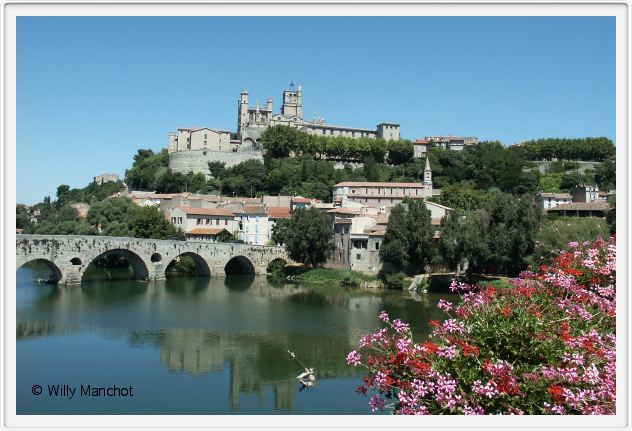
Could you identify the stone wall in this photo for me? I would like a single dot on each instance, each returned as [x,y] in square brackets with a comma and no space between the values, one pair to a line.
[69,255]
[197,160]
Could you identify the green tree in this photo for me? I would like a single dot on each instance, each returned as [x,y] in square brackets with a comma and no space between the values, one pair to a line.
[225,236]
[394,249]
[400,152]
[217,168]
[149,222]
[142,174]
[280,231]
[308,237]
[114,216]
[606,175]
[420,233]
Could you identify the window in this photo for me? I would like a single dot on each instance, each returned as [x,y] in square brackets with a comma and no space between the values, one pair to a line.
[225,222]
[358,256]
[208,221]
[377,245]
[179,220]
[199,221]
[216,222]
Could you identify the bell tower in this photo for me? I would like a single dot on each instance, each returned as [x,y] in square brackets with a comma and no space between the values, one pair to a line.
[292,102]
[242,111]
[427,175]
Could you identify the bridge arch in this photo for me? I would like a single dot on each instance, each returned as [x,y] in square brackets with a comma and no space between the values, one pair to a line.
[201,266]
[139,267]
[239,265]
[57,274]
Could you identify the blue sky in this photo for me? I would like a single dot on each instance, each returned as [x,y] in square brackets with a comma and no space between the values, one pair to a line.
[93,90]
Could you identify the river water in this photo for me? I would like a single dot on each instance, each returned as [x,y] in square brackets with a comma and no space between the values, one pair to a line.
[197,345]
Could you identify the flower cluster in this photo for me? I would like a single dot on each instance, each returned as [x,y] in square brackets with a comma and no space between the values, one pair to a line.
[544,343]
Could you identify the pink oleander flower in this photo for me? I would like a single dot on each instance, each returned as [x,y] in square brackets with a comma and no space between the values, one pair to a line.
[353,358]
[399,326]
[444,305]
[479,361]
[376,403]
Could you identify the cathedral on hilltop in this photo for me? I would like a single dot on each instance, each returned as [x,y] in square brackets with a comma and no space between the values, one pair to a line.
[252,121]
[191,148]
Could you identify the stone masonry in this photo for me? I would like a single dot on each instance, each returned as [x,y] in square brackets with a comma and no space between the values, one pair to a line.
[69,255]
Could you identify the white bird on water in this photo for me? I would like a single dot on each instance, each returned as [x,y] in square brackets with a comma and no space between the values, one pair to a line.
[306,378]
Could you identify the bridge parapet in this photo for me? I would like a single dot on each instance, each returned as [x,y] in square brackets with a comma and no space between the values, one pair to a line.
[70,255]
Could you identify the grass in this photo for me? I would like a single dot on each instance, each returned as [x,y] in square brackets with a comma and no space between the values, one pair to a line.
[337,277]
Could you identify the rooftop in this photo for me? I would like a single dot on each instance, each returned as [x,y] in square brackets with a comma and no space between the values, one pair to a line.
[205,231]
[582,206]
[208,211]
[556,195]
[374,184]
[279,212]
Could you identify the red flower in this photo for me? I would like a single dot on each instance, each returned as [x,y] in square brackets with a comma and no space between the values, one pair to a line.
[506,310]
[556,393]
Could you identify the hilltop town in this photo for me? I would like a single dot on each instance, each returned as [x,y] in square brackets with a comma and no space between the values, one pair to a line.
[216,185]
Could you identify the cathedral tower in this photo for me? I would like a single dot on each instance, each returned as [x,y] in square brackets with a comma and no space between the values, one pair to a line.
[292,102]
[242,111]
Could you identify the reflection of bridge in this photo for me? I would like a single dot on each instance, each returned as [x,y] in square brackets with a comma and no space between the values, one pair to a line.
[69,255]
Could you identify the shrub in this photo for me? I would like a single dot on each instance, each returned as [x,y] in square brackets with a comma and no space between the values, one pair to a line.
[276,269]
[544,345]
[394,281]
[349,281]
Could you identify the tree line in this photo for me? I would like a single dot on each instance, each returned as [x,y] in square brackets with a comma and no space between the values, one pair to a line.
[283,141]
[585,149]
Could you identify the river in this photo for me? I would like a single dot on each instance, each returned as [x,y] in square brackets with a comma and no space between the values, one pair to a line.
[197,345]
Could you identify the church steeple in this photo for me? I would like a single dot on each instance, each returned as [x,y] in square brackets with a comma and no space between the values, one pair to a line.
[427,174]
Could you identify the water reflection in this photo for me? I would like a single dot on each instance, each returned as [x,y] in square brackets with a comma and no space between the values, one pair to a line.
[238,327]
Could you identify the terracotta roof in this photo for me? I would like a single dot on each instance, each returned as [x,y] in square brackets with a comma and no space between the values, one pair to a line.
[381,219]
[420,141]
[208,211]
[254,209]
[435,222]
[205,231]
[582,206]
[301,199]
[342,221]
[161,196]
[345,211]
[376,231]
[556,195]
[279,212]
[18,230]
[372,184]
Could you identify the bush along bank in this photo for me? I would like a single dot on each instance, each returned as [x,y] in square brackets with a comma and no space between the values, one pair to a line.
[543,345]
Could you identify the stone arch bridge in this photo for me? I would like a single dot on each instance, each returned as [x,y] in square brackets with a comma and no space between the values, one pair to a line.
[69,255]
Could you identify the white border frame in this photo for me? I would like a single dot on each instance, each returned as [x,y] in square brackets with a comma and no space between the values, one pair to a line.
[11,9]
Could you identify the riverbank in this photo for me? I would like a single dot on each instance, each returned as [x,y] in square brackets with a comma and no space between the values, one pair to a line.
[337,277]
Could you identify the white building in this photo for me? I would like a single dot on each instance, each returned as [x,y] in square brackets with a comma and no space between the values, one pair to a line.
[583,193]
[252,224]
[551,200]
[203,223]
